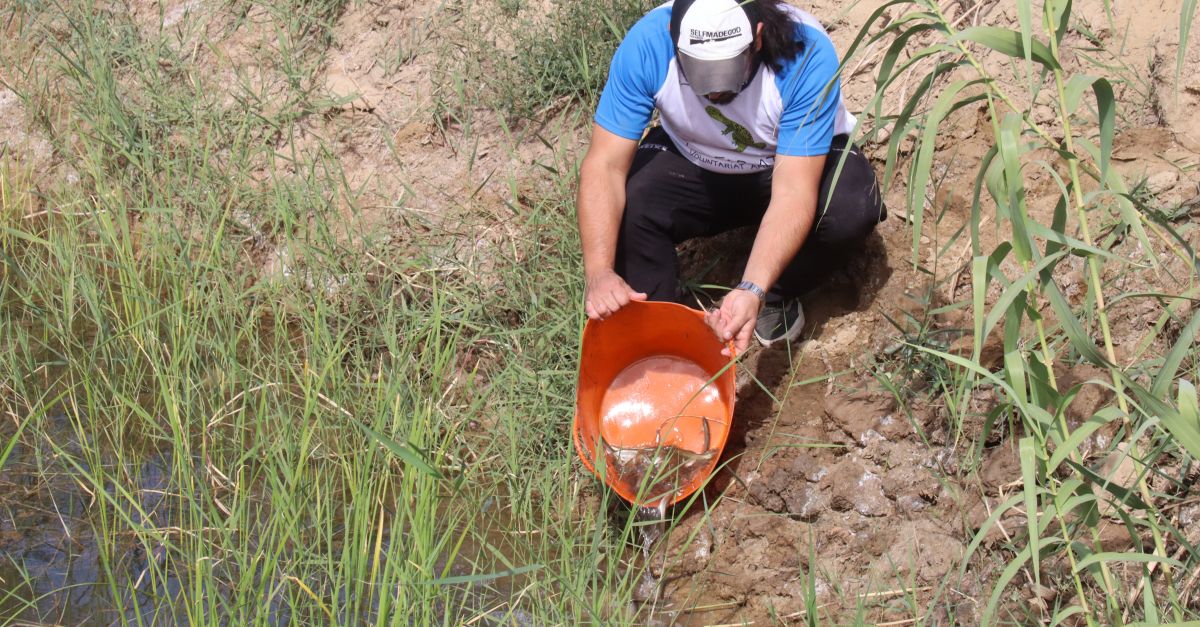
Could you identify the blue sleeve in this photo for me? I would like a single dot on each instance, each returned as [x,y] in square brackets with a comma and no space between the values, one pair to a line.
[811,92]
[638,70]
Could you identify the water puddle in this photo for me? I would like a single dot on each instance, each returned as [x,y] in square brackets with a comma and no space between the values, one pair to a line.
[50,562]
[61,562]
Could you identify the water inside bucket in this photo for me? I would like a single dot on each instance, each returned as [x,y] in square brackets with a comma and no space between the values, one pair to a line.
[657,472]
[657,425]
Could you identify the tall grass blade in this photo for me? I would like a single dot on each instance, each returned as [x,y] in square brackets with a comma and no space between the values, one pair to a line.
[1009,42]
[1025,22]
[1077,437]
[1028,457]
[874,17]
[405,452]
[898,47]
[1145,558]
[1011,182]
[979,286]
[1184,346]
[1122,493]
[1129,214]
[1187,12]
[1060,17]
[1185,424]
[42,408]
[1076,246]
[1065,613]
[1182,423]
[474,579]
[1106,106]
[907,120]
[946,104]
[1079,338]
[1014,356]
[1002,305]
[1010,571]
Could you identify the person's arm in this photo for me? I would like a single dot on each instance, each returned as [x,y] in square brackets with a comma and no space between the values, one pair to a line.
[787,222]
[600,204]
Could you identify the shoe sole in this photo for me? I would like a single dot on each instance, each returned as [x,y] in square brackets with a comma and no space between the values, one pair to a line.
[791,334]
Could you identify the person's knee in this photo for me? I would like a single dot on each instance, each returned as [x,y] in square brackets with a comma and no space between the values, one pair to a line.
[867,211]
[642,212]
[856,200]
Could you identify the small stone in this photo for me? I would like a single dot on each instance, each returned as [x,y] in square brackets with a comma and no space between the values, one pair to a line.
[803,465]
[1043,593]
[1114,537]
[702,546]
[1161,182]
[1189,515]
[647,589]
[1118,468]
[1044,114]
[1093,393]
[1001,467]
[177,14]
[893,427]
[806,501]
[991,354]
[910,503]
[857,413]
[883,135]
[965,131]
[1073,280]
[855,488]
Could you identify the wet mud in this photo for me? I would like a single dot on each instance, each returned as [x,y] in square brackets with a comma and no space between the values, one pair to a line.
[830,495]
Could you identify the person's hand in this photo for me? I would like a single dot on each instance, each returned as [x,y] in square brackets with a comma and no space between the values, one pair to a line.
[606,293]
[734,319]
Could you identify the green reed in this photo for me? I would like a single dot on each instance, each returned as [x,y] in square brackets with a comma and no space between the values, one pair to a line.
[1015,294]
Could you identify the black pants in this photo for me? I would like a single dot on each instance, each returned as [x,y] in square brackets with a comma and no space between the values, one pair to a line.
[669,200]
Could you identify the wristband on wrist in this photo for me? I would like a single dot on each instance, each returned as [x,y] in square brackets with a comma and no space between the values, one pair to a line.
[753,289]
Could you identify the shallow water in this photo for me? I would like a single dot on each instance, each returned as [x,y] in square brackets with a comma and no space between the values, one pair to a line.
[53,543]
[49,543]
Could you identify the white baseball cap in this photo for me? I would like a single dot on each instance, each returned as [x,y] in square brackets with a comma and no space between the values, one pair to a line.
[714,43]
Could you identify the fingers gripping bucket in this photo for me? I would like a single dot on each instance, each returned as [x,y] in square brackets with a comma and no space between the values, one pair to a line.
[654,402]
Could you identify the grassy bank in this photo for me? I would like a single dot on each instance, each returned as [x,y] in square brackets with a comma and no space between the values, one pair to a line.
[256,407]
[237,387]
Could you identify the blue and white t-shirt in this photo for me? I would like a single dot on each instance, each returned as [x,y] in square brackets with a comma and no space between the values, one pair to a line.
[796,111]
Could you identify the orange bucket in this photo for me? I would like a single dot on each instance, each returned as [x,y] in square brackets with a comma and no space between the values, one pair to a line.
[654,402]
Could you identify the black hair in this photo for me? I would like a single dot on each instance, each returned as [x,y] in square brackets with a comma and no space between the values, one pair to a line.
[780,39]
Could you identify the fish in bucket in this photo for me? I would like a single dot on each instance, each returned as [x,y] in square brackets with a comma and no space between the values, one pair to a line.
[654,402]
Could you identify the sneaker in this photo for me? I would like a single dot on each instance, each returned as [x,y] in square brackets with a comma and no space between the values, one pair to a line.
[779,321]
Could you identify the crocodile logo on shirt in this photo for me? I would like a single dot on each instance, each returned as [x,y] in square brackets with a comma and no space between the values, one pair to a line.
[742,138]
